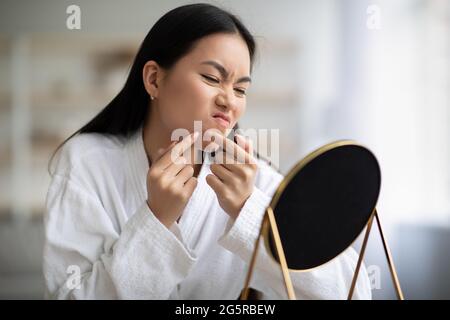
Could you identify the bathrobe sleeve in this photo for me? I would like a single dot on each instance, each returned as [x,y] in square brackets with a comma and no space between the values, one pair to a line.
[85,257]
[330,281]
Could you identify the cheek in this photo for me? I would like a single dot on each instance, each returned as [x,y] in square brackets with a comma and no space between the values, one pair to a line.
[185,100]
[240,110]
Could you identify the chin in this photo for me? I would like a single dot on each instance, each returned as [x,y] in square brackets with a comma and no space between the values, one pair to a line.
[212,127]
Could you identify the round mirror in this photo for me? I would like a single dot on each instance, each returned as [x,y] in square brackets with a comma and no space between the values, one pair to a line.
[324,203]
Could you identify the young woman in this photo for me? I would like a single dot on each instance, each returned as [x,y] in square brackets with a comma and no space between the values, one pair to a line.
[126,220]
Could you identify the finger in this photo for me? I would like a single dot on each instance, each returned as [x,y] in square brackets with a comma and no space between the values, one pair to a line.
[160,153]
[232,148]
[190,185]
[185,145]
[230,164]
[212,146]
[224,158]
[173,169]
[217,139]
[221,172]
[220,156]
[177,150]
[184,175]
[244,142]
[247,144]
[215,183]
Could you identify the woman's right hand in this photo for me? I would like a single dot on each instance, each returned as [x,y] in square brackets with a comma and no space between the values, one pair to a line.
[170,181]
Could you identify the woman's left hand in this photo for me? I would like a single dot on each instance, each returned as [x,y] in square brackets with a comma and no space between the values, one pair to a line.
[234,173]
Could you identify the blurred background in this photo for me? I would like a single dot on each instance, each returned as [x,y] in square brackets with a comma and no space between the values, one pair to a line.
[374,71]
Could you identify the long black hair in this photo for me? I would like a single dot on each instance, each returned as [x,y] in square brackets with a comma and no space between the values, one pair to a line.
[171,37]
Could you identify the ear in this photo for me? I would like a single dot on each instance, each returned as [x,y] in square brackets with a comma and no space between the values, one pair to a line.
[152,75]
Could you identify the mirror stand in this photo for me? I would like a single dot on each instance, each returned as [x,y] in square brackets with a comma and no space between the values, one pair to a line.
[387,252]
[269,218]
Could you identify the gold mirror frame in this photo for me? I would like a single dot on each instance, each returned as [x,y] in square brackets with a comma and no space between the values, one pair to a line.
[269,223]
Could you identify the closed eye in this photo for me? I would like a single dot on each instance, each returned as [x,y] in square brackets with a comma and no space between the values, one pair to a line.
[211,79]
[240,91]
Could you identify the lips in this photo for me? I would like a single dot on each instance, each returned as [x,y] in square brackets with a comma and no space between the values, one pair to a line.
[222,119]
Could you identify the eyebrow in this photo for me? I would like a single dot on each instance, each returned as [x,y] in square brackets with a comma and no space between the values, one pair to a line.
[223,72]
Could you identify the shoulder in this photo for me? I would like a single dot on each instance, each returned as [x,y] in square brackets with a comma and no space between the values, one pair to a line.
[86,152]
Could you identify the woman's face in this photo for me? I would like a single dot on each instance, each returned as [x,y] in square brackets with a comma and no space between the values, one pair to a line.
[207,85]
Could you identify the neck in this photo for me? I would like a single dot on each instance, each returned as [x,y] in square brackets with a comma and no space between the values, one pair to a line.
[156,136]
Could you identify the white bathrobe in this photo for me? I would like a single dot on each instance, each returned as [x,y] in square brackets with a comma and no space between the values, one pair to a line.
[103,242]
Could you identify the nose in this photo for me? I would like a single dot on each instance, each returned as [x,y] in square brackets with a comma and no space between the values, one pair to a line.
[226,100]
